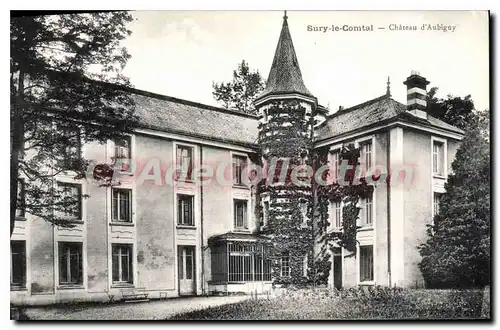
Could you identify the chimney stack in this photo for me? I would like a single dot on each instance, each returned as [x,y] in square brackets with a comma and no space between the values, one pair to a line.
[416,86]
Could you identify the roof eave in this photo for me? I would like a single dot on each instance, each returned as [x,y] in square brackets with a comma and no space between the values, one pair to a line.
[389,122]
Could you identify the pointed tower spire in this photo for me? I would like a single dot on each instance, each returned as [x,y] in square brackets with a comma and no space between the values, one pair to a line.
[285,76]
[388,92]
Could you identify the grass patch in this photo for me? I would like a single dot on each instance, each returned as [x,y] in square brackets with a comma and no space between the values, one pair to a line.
[351,304]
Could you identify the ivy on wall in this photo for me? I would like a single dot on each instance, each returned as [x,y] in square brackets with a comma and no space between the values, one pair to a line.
[348,193]
[288,135]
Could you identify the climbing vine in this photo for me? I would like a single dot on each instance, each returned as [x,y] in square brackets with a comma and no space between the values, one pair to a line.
[286,137]
[298,214]
[348,193]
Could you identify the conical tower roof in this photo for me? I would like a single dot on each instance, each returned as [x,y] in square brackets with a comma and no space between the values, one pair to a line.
[285,76]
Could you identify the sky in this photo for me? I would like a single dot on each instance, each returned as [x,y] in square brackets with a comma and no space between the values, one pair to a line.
[180,53]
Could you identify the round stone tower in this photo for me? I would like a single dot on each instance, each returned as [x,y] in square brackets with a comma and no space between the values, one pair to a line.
[286,109]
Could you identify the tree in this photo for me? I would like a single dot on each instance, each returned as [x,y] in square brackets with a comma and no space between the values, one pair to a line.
[453,110]
[457,253]
[241,91]
[64,77]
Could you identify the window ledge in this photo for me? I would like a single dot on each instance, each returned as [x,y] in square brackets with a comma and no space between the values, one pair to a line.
[335,230]
[184,180]
[438,176]
[125,224]
[122,286]
[69,173]
[241,230]
[244,282]
[19,218]
[126,173]
[70,287]
[367,283]
[240,186]
[185,227]
[18,288]
[366,228]
[75,221]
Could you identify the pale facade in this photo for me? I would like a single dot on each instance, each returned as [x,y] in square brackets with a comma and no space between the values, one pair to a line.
[172,237]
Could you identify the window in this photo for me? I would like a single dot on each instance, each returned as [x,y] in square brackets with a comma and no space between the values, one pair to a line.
[366,149]
[338,214]
[266,213]
[122,263]
[122,148]
[70,200]
[437,199]
[336,162]
[368,210]
[186,262]
[303,211]
[123,152]
[303,157]
[122,205]
[247,262]
[285,264]
[240,214]
[70,263]
[185,161]
[438,158]
[18,263]
[239,164]
[185,210]
[305,265]
[21,198]
[71,146]
[366,263]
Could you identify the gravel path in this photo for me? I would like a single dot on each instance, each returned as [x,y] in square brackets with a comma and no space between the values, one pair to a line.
[152,310]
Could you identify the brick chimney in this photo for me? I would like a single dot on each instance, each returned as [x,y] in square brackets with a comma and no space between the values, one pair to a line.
[416,86]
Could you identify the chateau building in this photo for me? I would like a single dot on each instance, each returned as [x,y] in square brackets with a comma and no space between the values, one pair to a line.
[166,235]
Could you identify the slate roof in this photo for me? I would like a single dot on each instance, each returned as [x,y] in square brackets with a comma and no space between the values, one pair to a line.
[372,113]
[285,75]
[174,115]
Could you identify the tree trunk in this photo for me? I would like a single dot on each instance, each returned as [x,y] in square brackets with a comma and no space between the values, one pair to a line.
[15,149]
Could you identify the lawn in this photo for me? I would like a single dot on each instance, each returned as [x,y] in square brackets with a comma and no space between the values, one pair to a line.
[352,304]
